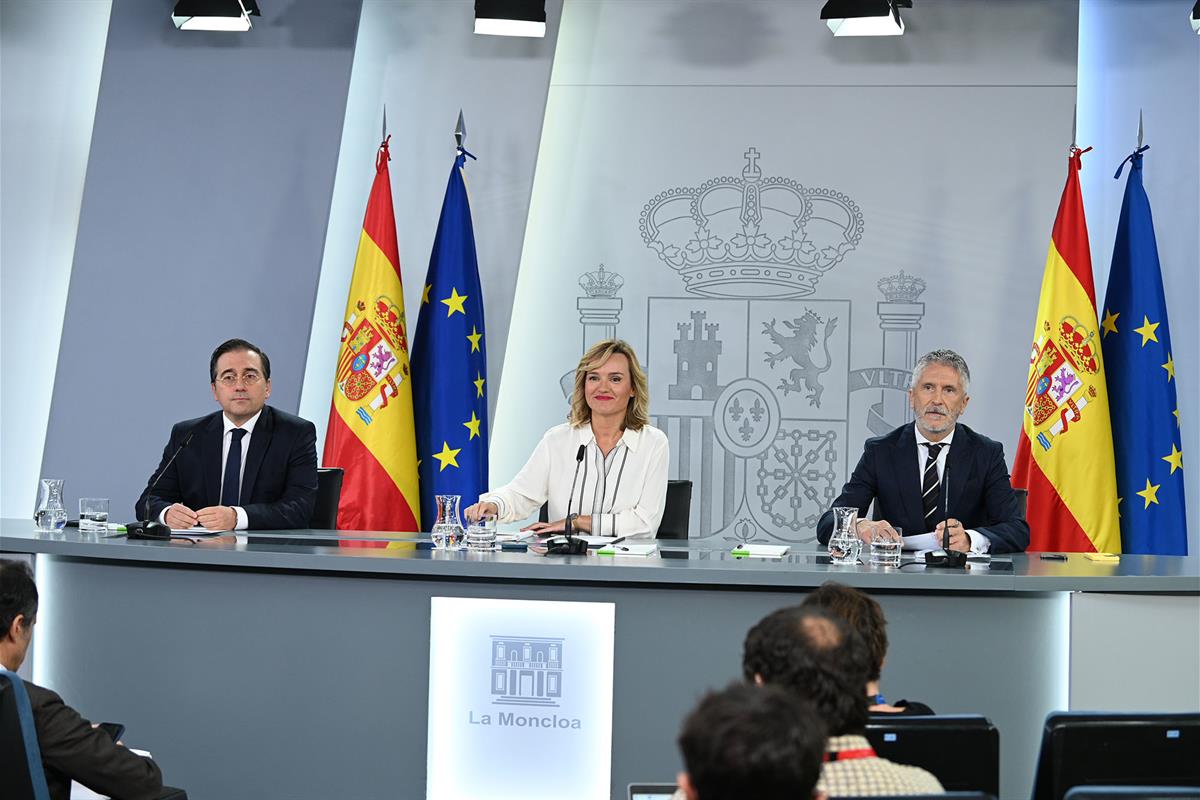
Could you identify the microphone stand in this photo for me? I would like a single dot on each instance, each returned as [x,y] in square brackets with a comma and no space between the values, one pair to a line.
[951,559]
[568,544]
[149,528]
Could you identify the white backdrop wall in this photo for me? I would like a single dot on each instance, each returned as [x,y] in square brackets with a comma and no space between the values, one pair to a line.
[51,52]
[421,59]
[794,219]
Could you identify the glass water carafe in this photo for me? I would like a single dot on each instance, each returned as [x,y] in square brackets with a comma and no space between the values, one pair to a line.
[50,514]
[448,529]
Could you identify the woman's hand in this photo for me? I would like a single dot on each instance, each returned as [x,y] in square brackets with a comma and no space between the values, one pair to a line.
[583,524]
[480,510]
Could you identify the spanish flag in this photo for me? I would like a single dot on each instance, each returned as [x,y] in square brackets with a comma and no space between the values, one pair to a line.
[1065,452]
[370,432]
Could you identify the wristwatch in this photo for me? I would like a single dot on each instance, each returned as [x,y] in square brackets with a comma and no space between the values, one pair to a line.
[571,521]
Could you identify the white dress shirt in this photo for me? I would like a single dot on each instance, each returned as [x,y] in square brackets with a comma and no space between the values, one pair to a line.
[979,542]
[624,493]
[243,521]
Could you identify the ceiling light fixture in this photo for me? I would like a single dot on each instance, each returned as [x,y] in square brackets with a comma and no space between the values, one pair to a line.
[865,17]
[214,15]
[510,17]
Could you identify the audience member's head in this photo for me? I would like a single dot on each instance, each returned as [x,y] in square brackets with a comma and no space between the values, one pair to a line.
[861,612]
[816,656]
[18,611]
[751,741]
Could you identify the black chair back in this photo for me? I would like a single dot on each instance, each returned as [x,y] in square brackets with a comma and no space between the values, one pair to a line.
[677,511]
[21,773]
[962,752]
[1094,749]
[329,494]
[1022,501]
[1134,793]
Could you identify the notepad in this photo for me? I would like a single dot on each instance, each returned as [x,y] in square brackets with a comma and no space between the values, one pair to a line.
[628,550]
[750,550]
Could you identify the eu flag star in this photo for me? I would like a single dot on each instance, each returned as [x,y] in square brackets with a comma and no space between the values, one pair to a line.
[478,385]
[425,293]
[1149,494]
[455,302]
[1110,322]
[1169,367]
[1147,330]
[473,337]
[473,426]
[1175,459]
[447,456]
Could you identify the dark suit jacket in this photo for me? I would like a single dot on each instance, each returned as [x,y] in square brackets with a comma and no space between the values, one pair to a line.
[981,495]
[279,485]
[73,750]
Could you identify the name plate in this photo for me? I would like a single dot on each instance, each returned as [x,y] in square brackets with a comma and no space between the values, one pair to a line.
[520,699]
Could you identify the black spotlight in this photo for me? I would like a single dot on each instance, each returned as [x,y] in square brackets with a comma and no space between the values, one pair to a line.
[214,15]
[510,17]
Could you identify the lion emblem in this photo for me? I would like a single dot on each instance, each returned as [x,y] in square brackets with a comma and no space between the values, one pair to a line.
[798,347]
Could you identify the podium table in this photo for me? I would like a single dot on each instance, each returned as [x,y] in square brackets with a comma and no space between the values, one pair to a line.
[280,664]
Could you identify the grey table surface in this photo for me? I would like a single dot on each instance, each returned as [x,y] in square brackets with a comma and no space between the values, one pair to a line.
[696,563]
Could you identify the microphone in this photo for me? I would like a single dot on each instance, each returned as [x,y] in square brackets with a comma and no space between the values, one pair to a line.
[946,557]
[569,544]
[153,529]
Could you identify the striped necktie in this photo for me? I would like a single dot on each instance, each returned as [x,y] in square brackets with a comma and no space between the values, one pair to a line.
[929,486]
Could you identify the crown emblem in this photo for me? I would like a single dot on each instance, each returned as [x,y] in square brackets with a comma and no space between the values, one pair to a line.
[751,236]
[601,283]
[389,318]
[901,288]
[1076,343]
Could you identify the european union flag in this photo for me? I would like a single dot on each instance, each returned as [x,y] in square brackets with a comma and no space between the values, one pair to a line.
[449,360]
[1141,383]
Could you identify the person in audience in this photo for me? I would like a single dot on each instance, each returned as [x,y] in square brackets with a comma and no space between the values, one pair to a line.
[749,741]
[71,748]
[247,466]
[863,614]
[902,472]
[605,470]
[818,657]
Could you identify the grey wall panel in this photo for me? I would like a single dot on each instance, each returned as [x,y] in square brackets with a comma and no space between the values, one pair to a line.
[1121,661]
[204,214]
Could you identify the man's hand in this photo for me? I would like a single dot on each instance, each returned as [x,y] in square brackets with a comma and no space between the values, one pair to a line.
[217,518]
[479,511]
[180,516]
[959,540]
[866,529]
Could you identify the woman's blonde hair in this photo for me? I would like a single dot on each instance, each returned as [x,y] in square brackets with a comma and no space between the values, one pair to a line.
[637,414]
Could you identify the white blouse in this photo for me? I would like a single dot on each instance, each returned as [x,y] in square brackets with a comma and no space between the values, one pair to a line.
[623,493]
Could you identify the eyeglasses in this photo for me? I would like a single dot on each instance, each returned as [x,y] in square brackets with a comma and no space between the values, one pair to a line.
[246,378]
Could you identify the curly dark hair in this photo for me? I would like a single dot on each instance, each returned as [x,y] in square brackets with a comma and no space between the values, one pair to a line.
[753,741]
[816,656]
[861,611]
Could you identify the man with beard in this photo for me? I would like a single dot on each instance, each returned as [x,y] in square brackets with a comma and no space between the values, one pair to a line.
[903,472]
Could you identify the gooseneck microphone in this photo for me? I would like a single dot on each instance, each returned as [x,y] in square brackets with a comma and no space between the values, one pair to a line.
[149,528]
[946,557]
[569,544]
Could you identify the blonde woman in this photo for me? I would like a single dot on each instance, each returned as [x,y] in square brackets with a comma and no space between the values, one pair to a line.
[619,485]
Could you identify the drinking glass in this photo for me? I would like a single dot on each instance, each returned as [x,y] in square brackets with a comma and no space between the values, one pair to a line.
[884,551]
[93,515]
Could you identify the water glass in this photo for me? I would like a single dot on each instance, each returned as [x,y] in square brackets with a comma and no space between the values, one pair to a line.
[884,551]
[844,544]
[481,535]
[93,515]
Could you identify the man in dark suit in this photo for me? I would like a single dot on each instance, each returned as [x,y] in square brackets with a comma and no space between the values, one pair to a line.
[904,472]
[248,466]
[71,748]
